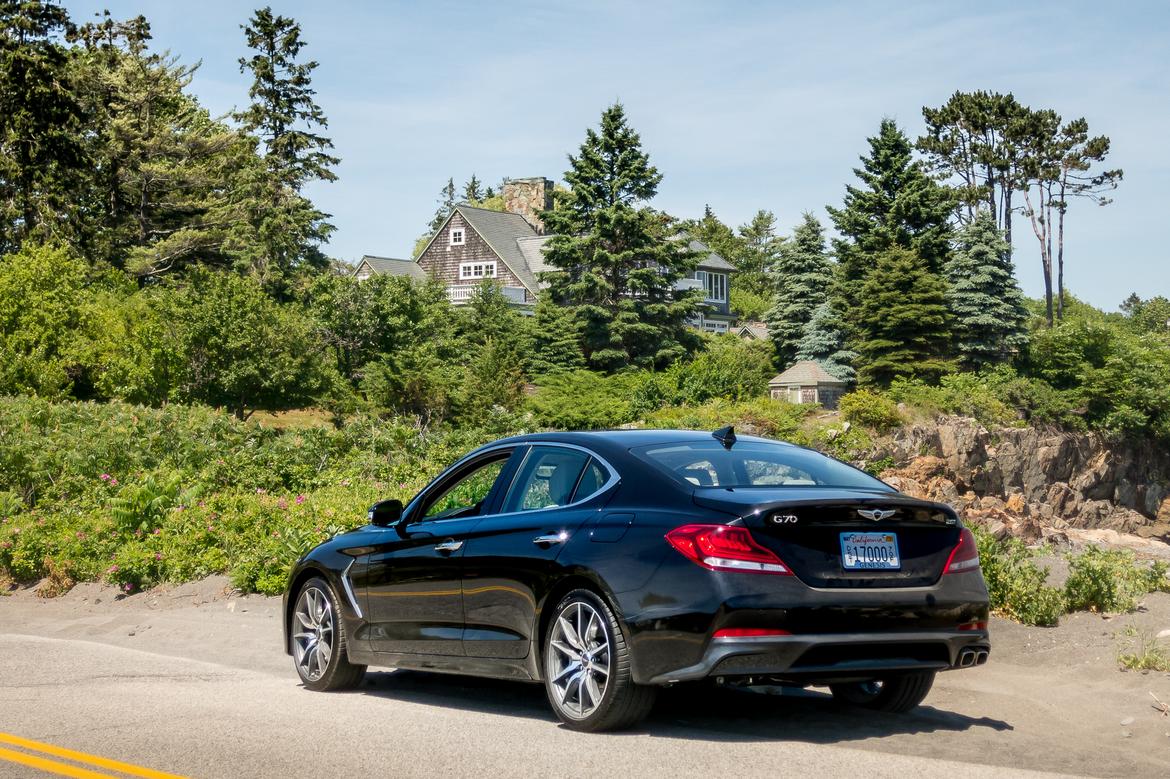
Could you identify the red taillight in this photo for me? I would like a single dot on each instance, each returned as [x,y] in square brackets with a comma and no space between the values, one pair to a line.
[725,548]
[973,626]
[748,632]
[965,555]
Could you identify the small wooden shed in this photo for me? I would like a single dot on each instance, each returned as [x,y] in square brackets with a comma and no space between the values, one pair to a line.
[807,382]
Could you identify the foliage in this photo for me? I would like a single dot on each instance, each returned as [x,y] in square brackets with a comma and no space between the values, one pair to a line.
[1147,316]
[583,400]
[1110,580]
[800,278]
[613,259]
[989,316]
[760,416]
[1145,653]
[822,340]
[748,306]
[759,248]
[730,368]
[1015,583]
[556,339]
[863,407]
[902,321]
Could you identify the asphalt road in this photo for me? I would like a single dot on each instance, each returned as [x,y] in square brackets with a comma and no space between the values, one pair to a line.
[196,718]
[199,687]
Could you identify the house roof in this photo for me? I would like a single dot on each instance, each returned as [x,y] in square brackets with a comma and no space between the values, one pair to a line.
[502,230]
[757,330]
[710,260]
[532,247]
[392,266]
[805,373]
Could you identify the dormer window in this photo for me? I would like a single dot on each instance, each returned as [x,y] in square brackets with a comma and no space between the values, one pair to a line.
[474,271]
[456,236]
[715,285]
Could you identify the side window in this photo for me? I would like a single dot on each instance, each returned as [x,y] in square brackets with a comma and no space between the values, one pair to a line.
[463,497]
[546,480]
[591,481]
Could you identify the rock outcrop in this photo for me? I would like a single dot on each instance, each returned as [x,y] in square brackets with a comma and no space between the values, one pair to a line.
[1032,482]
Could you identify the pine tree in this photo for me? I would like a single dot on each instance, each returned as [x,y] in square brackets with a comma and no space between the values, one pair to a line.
[801,277]
[41,156]
[446,203]
[898,205]
[472,190]
[283,114]
[902,320]
[613,260]
[759,249]
[990,319]
[823,341]
[556,339]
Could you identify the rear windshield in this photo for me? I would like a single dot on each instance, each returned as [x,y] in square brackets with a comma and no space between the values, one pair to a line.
[754,464]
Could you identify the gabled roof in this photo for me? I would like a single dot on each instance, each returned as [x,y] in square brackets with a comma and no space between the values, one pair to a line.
[501,230]
[392,266]
[709,259]
[758,330]
[532,248]
[805,373]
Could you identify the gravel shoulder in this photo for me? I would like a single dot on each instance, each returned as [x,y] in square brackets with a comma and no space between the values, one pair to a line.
[1050,699]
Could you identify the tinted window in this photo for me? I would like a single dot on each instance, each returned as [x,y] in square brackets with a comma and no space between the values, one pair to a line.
[594,478]
[463,497]
[547,479]
[753,464]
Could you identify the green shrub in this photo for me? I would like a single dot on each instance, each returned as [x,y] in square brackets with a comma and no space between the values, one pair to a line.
[877,412]
[584,400]
[763,416]
[1144,653]
[1110,580]
[1016,585]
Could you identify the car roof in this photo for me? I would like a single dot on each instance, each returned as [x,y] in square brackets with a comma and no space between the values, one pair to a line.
[626,439]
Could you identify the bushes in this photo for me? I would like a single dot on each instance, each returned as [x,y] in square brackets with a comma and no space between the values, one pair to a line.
[870,409]
[1017,586]
[1109,580]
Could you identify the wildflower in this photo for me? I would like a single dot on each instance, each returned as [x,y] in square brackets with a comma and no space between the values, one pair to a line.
[5,544]
[113,482]
[345,482]
[127,586]
[112,569]
[260,490]
[300,499]
[282,504]
[158,531]
[104,477]
[200,504]
[80,536]
[158,555]
[210,528]
[276,534]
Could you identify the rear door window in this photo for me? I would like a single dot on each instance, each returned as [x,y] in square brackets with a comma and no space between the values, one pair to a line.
[548,478]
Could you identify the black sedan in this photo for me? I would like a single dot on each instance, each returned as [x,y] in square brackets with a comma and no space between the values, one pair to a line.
[608,564]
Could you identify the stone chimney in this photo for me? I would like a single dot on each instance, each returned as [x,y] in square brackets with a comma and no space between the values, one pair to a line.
[528,197]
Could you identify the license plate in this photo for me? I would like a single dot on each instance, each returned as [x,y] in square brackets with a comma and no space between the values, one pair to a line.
[870,551]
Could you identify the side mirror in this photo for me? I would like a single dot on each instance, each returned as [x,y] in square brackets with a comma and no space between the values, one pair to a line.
[385,512]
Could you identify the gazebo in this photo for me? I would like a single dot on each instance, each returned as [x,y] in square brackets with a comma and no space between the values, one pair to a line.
[807,382]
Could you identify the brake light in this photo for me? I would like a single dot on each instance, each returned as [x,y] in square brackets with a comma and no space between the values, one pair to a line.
[973,626]
[965,555]
[725,548]
[748,632]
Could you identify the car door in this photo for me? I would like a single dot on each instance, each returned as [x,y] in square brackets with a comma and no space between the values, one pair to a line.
[511,556]
[413,582]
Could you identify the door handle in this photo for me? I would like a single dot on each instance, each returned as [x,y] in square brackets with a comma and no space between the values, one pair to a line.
[551,538]
[449,546]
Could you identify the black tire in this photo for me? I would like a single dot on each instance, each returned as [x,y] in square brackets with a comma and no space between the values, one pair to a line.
[893,694]
[338,673]
[623,703]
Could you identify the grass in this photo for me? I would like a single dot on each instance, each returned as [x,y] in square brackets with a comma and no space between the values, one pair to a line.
[1145,652]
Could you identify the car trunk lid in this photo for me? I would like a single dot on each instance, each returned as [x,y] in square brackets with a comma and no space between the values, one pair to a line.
[809,528]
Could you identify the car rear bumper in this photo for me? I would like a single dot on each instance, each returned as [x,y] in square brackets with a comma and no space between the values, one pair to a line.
[835,656]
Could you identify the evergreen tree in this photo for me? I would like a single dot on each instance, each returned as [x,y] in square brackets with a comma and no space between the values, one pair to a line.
[898,205]
[446,205]
[556,342]
[41,156]
[801,277]
[990,319]
[758,250]
[823,341]
[902,320]
[472,190]
[286,230]
[712,231]
[613,260]
[283,114]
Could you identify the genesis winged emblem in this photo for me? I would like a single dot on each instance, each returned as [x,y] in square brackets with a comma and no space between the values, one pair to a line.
[877,514]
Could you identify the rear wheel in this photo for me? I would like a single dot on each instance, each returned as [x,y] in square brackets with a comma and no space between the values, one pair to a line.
[587,667]
[894,694]
[318,640]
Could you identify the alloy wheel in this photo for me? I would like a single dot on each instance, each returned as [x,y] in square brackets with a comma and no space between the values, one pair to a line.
[579,659]
[313,643]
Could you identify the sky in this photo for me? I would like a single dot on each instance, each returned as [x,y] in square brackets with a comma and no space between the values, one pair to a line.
[741,105]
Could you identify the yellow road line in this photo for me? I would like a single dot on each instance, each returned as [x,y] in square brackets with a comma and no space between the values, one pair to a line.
[69,754]
[52,766]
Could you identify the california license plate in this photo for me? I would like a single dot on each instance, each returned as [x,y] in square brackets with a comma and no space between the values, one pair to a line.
[870,551]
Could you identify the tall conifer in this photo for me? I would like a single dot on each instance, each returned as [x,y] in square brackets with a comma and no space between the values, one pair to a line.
[801,276]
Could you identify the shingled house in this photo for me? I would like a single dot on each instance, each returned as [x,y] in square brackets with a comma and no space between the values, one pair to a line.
[807,382]
[475,244]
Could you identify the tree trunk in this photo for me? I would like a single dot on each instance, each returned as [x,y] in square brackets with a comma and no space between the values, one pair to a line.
[1041,229]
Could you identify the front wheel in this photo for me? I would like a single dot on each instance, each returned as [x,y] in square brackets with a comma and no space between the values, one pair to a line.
[587,667]
[318,640]
[893,694]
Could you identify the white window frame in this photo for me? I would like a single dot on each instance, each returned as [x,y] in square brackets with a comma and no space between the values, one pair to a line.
[477,271]
[714,285]
[462,233]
